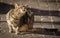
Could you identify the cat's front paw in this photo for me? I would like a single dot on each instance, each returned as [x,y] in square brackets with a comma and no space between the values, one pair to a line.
[17,33]
[10,31]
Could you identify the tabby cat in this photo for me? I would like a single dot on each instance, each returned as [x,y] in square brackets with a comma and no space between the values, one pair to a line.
[13,18]
[19,19]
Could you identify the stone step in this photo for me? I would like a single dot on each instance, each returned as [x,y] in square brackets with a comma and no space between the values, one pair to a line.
[47,18]
[46,25]
[37,18]
[2,17]
[39,4]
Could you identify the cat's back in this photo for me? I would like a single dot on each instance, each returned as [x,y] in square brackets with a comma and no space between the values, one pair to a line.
[9,14]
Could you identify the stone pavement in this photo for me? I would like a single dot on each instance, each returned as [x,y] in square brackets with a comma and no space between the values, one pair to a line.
[46,16]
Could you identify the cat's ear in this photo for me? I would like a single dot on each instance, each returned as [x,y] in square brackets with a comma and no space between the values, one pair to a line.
[16,5]
[28,5]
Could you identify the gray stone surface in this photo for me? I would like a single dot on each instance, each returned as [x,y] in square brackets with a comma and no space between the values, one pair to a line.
[42,34]
[44,17]
[39,4]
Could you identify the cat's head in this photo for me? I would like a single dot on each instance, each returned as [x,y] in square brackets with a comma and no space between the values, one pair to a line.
[21,8]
